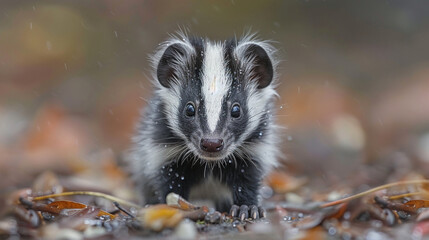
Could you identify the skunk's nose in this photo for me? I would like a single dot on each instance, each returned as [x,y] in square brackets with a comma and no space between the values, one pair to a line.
[211,145]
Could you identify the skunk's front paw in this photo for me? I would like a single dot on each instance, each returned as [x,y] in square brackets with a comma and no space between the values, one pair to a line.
[244,211]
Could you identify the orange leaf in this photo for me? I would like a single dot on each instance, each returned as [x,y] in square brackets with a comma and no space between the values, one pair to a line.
[61,205]
[418,203]
[161,216]
[281,182]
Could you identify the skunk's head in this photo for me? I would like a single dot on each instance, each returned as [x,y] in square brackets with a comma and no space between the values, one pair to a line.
[215,94]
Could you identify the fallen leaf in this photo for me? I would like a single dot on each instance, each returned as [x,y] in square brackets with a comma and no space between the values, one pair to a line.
[175,200]
[418,203]
[70,205]
[281,182]
[161,216]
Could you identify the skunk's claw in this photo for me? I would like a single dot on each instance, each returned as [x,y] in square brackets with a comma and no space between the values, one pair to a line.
[244,212]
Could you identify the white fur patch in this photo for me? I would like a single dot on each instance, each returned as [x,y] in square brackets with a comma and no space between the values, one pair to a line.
[215,83]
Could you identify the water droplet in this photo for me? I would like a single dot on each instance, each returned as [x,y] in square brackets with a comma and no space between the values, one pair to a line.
[171,187]
[170,170]
[165,145]
[266,192]
[176,174]
[347,215]
[242,170]
[236,223]
[260,134]
[332,231]
[182,178]
[281,107]
[172,182]
[239,189]
[229,161]
[178,185]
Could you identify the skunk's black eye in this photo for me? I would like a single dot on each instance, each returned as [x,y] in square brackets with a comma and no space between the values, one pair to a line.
[190,109]
[235,110]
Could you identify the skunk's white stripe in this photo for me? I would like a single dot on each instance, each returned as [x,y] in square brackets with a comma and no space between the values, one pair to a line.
[215,83]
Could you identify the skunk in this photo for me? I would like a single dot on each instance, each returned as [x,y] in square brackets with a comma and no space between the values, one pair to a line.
[209,131]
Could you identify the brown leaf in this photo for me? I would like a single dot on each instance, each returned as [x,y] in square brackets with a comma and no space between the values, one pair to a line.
[161,216]
[418,203]
[310,221]
[68,205]
[339,212]
[198,214]
[175,200]
[281,182]
[314,233]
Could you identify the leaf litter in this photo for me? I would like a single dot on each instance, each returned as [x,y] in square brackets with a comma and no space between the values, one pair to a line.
[85,194]
[45,211]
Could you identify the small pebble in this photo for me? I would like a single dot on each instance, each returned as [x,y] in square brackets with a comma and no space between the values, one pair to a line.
[93,232]
[186,230]
[213,217]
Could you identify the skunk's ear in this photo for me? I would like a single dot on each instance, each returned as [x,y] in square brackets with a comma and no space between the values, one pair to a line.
[167,70]
[262,70]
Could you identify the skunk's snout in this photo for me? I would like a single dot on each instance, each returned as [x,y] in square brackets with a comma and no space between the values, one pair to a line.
[211,145]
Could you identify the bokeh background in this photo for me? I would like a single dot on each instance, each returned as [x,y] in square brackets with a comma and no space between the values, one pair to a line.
[354,93]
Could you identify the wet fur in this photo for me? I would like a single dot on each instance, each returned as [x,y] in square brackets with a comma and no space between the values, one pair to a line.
[164,158]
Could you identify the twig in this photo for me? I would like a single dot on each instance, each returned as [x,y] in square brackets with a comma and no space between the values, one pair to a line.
[373,190]
[123,210]
[394,197]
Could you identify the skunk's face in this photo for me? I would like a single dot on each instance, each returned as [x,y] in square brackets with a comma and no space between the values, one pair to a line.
[215,94]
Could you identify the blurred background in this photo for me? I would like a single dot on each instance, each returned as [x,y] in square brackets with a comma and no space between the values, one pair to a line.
[354,93]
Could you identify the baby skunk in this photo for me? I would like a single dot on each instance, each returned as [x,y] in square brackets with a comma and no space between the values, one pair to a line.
[208,131]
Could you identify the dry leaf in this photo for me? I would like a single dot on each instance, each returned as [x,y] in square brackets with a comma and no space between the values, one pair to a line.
[175,200]
[66,206]
[161,216]
[281,182]
[418,203]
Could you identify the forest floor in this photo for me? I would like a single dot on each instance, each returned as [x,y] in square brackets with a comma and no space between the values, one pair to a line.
[91,197]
